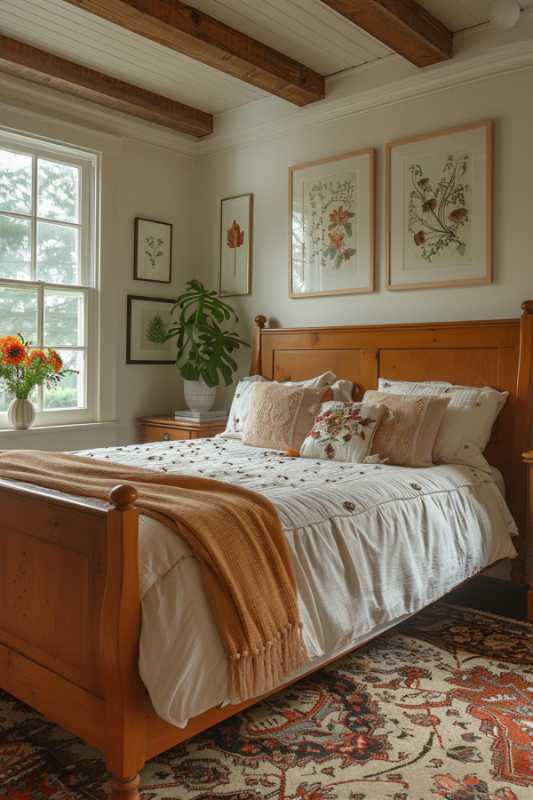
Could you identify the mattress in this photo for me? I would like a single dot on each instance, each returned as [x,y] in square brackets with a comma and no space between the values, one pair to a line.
[371,545]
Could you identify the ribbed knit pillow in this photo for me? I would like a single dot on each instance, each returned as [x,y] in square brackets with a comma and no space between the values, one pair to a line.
[407,434]
[280,416]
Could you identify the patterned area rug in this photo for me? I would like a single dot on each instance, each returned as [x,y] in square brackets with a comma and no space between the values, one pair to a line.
[442,707]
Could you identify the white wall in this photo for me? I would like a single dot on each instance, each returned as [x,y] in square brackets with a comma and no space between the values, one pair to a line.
[155,180]
[138,179]
[262,169]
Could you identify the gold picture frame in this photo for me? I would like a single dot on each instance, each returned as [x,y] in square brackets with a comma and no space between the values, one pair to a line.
[332,247]
[236,243]
[439,226]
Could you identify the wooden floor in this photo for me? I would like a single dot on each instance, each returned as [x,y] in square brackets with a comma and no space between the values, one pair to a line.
[492,594]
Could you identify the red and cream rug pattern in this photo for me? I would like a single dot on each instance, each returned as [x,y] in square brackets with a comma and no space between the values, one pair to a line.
[441,707]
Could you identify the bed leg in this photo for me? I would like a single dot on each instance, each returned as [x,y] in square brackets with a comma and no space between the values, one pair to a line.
[125,788]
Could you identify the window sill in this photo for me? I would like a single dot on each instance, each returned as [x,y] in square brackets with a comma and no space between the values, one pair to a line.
[65,428]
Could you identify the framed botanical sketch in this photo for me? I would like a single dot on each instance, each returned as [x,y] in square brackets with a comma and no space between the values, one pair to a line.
[148,317]
[236,223]
[331,225]
[152,251]
[439,208]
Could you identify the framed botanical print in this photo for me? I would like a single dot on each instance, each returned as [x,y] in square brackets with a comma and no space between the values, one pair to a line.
[148,319]
[152,251]
[236,224]
[331,225]
[439,208]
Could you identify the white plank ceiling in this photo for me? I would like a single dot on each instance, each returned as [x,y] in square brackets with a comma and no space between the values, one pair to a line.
[306,30]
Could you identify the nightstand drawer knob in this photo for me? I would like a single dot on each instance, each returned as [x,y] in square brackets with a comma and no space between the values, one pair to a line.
[166,437]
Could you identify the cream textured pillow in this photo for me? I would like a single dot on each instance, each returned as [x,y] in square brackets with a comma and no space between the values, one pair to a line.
[407,435]
[468,421]
[241,399]
[280,416]
[343,431]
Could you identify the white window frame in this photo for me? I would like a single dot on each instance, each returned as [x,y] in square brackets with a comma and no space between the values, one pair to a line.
[88,164]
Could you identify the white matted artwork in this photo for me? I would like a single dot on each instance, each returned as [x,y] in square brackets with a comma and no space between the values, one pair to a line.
[439,208]
[152,251]
[236,224]
[331,224]
[149,318]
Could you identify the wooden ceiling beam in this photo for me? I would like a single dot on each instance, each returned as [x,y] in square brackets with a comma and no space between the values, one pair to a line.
[402,25]
[24,61]
[180,27]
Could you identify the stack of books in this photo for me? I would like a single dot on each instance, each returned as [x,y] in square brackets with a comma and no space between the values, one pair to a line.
[201,416]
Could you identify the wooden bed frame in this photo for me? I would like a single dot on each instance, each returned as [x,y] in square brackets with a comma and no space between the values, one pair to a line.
[69,589]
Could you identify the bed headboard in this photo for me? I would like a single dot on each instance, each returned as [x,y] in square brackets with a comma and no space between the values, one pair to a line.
[495,353]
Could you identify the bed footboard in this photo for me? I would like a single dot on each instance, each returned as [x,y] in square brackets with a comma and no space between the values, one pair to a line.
[70,620]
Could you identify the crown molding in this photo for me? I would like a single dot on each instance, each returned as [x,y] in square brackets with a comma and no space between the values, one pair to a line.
[460,71]
[82,117]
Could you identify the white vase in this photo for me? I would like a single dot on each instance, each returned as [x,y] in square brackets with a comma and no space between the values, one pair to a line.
[199,396]
[21,414]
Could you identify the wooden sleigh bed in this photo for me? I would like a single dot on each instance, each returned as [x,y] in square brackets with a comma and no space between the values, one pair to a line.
[69,585]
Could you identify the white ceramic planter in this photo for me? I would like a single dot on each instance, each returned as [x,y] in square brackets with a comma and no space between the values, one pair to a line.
[199,396]
[21,414]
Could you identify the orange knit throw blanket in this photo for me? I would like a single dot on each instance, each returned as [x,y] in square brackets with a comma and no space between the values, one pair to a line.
[236,536]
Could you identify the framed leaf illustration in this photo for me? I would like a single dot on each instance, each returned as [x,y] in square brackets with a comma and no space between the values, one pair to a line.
[236,222]
[331,223]
[439,208]
[152,251]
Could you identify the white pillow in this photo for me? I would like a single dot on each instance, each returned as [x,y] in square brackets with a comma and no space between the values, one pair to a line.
[343,431]
[468,421]
[243,394]
[342,391]
[240,403]
[325,379]
[411,387]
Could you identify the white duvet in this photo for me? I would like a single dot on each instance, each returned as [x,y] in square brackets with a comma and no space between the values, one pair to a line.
[371,544]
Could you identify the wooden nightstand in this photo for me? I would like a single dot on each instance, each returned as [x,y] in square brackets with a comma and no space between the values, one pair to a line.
[528,460]
[165,429]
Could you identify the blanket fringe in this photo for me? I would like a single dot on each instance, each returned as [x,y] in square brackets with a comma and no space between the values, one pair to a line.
[255,673]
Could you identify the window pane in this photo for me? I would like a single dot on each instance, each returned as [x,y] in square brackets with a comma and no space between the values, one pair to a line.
[18,312]
[58,191]
[15,182]
[69,392]
[63,318]
[57,253]
[15,248]
[5,400]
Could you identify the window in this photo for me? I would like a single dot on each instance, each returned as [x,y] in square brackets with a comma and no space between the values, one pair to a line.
[47,270]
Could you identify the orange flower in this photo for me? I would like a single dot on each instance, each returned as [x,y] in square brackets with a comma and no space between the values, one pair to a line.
[338,216]
[5,341]
[336,239]
[55,360]
[13,352]
[36,354]
[235,237]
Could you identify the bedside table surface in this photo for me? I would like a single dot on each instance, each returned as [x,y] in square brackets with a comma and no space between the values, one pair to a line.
[169,421]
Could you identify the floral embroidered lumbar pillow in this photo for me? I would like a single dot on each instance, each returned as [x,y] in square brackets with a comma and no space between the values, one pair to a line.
[343,431]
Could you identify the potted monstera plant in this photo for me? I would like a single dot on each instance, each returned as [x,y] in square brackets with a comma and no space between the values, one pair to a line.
[205,349]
